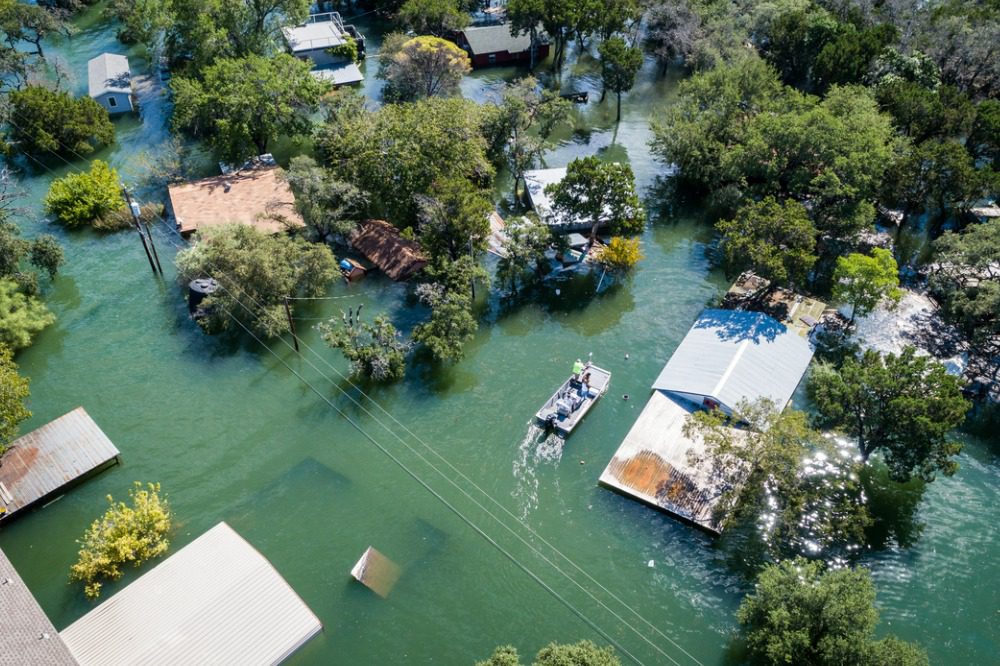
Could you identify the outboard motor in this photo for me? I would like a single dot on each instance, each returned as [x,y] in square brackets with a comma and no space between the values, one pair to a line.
[550,424]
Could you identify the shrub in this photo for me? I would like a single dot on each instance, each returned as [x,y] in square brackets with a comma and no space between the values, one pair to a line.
[13,392]
[79,199]
[620,254]
[123,534]
[375,350]
[21,316]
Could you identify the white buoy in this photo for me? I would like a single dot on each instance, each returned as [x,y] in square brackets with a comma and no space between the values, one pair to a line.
[626,356]
[651,564]
[558,291]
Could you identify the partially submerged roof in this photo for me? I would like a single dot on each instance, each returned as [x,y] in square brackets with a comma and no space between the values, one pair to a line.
[215,601]
[488,39]
[50,458]
[316,35]
[257,197]
[382,244]
[734,355]
[339,75]
[376,572]
[652,464]
[108,73]
[26,635]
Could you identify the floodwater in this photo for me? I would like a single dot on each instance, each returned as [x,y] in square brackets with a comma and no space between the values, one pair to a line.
[492,525]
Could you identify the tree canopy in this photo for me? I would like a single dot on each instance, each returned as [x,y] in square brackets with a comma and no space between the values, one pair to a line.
[449,296]
[523,256]
[433,17]
[13,394]
[22,316]
[619,65]
[399,151]
[376,350]
[422,67]
[86,198]
[599,193]
[777,240]
[256,273]
[45,122]
[800,613]
[903,406]
[331,208]
[242,105]
[865,281]
[584,653]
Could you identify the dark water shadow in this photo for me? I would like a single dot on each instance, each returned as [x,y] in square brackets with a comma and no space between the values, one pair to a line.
[893,507]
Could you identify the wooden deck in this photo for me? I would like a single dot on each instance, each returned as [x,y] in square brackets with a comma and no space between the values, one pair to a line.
[796,311]
[48,460]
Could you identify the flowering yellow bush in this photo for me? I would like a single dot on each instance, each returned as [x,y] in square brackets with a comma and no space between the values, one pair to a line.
[620,254]
[124,534]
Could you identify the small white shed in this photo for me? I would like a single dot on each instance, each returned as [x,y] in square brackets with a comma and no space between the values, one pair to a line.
[111,82]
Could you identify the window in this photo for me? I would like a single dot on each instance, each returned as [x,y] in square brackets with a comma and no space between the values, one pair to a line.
[493,57]
[112,102]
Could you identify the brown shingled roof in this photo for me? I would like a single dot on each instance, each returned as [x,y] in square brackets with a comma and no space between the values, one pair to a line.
[381,243]
[257,197]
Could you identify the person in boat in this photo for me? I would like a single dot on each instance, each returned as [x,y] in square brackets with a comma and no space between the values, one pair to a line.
[577,369]
[585,385]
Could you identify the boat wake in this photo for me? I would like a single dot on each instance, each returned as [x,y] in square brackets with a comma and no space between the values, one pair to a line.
[535,448]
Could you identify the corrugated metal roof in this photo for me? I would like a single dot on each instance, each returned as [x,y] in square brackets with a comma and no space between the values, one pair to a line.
[51,457]
[215,601]
[27,638]
[339,75]
[108,72]
[484,40]
[652,464]
[734,355]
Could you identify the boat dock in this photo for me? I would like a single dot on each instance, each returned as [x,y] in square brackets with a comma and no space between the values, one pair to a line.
[50,459]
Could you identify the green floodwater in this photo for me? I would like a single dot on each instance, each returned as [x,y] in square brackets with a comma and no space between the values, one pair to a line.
[233,434]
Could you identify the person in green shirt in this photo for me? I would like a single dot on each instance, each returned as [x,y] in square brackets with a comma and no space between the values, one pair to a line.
[577,368]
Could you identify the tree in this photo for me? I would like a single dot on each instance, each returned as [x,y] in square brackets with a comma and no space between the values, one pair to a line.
[453,219]
[201,31]
[47,121]
[584,653]
[424,67]
[375,350]
[984,140]
[43,253]
[848,57]
[524,247]
[23,24]
[936,172]
[449,296]
[13,393]
[242,105]
[123,534]
[399,151]
[673,30]
[518,128]
[800,613]
[256,273]
[330,208]
[433,17]
[141,21]
[79,199]
[599,193]
[557,18]
[619,65]
[923,113]
[781,475]
[903,406]
[620,254]
[864,281]
[21,316]
[777,240]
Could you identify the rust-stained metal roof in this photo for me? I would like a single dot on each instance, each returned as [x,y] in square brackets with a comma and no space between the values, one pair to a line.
[382,244]
[215,601]
[27,638]
[46,460]
[256,196]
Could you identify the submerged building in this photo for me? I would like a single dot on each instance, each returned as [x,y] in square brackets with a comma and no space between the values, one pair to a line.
[728,357]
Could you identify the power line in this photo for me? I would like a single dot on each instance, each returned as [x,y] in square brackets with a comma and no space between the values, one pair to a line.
[444,476]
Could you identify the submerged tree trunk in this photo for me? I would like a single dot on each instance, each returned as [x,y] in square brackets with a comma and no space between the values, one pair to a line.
[618,115]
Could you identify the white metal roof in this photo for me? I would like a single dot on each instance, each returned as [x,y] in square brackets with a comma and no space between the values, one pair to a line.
[108,72]
[734,355]
[215,601]
[536,181]
[339,74]
[311,36]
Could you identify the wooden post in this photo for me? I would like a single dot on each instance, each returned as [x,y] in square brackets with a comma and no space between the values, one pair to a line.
[291,324]
[138,228]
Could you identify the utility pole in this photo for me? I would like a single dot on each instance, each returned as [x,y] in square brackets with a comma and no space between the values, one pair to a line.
[138,227]
[136,213]
[291,323]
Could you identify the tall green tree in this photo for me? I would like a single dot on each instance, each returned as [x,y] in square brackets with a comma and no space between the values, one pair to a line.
[778,473]
[86,198]
[523,252]
[331,208]
[777,240]
[984,139]
[903,406]
[453,220]
[242,105]
[519,128]
[376,350]
[619,65]
[256,272]
[13,394]
[23,30]
[599,193]
[45,122]
[433,17]
[556,17]
[800,613]
[401,150]
[865,281]
[449,296]
[936,174]
[423,67]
